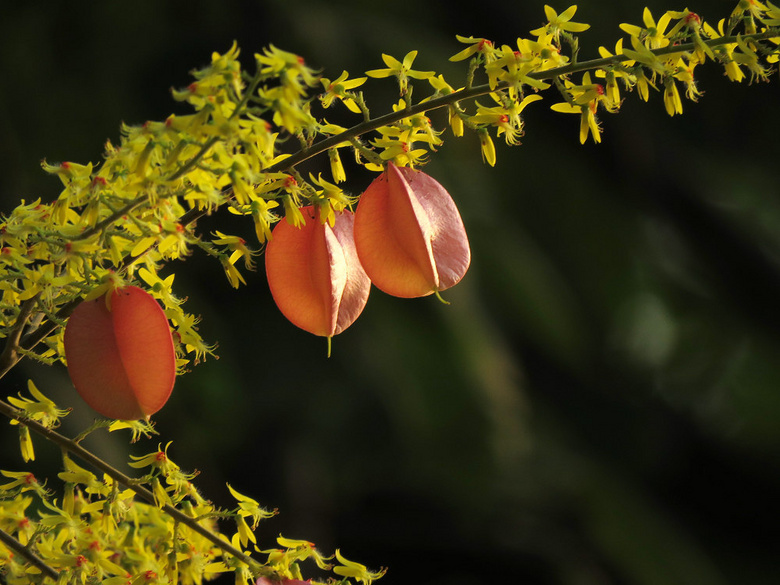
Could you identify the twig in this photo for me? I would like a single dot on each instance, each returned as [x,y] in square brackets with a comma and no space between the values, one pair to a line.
[90,458]
[10,354]
[29,555]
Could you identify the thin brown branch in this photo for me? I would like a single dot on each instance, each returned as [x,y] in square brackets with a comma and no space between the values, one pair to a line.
[10,354]
[23,551]
[97,463]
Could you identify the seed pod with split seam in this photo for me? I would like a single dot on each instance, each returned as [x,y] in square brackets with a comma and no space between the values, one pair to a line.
[120,354]
[314,273]
[409,235]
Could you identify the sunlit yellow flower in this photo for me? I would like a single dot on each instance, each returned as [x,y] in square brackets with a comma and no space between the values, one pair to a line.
[487,147]
[356,570]
[672,101]
[339,89]
[292,212]
[233,275]
[653,34]
[41,409]
[239,248]
[443,88]
[26,445]
[334,196]
[588,122]
[336,168]
[249,508]
[401,70]
[22,480]
[506,119]
[559,23]
[263,217]
[480,46]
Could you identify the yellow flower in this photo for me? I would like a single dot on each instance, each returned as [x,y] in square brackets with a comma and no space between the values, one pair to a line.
[41,409]
[156,459]
[233,275]
[24,480]
[332,199]
[247,507]
[506,119]
[589,124]
[588,121]
[339,89]
[75,474]
[137,428]
[336,168]
[476,45]
[672,101]
[292,212]
[726,52]
[653,34]
[239,248]
[684,73]
[356,570]
[25,443]
[487,146]
[399,151]
[263,217]
[558,23]
[159,288]
[402,70]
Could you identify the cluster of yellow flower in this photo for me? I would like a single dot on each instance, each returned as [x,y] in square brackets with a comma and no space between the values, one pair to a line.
[121,221]
[100,533]
[136,209]
[662,53]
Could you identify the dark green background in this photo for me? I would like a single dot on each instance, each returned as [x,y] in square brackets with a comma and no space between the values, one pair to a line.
[600,402]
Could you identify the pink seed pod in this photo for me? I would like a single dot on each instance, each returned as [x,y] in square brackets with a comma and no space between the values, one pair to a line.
[314,273]
[409,235]
[120,354]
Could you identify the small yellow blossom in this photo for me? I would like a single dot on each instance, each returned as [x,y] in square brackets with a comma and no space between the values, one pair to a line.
[487,146]
[356,570]
[672,101]
[233,275]
[238,247]
[401,70]
[560,23]
[480,46]
[339,89]
[22,480]
[263,217]
[653,34]
[41,409]
[26,445]
[249,508]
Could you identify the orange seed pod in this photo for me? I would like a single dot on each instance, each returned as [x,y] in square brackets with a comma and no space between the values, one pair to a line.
[409,235]
[314,274]
[120,354]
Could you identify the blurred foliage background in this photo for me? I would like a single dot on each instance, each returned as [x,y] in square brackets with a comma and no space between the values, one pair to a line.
[600,403]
